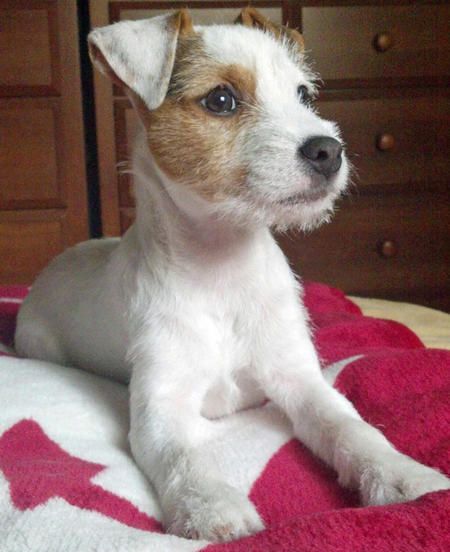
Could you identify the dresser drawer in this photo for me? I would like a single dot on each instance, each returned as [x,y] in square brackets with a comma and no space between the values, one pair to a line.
[395,144]
[30,160]
[29,48]
[392,247]
[359,44]
[28,242]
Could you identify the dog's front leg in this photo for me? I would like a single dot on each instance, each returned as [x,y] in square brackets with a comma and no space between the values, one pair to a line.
[326,422]
[169,440]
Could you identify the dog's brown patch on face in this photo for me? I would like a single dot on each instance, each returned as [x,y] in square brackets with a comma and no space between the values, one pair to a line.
[192,145]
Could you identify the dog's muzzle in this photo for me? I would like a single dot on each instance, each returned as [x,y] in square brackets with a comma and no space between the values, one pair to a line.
[323,154]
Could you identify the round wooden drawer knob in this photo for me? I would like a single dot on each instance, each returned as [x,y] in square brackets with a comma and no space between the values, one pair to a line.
[387,249]
[385,142]
[382,42]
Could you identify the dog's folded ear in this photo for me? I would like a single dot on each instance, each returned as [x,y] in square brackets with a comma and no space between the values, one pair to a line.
[139,55]
[250,17]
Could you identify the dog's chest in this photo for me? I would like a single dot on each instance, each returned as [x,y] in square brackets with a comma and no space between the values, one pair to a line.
[233,310]
[231,386]
[236,324]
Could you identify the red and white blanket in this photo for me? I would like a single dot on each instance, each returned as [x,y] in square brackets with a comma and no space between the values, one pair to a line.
[69,484]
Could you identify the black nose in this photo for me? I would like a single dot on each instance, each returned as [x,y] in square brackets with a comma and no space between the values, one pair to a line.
[323,153]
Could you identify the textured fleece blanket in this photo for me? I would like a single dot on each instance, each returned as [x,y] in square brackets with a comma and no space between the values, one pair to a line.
[68,482]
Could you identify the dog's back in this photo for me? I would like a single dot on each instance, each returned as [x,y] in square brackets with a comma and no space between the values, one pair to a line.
[61,319]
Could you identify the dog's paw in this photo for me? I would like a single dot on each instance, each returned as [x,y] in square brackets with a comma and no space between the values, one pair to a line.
[399,480]
[216,513]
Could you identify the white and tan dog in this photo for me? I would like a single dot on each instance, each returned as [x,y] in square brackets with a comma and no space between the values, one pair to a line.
[196,306]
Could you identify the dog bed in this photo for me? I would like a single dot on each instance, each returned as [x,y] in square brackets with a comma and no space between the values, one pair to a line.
[68,482]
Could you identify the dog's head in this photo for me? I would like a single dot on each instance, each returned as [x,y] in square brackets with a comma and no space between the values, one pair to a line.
[228,113]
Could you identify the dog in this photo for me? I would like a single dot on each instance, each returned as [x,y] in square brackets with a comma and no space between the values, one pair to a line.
[196,307]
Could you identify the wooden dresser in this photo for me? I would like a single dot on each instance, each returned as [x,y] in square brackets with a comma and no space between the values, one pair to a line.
[386,72]
[43,201]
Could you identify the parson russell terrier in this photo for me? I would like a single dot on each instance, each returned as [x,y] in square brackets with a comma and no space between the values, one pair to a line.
[196,306]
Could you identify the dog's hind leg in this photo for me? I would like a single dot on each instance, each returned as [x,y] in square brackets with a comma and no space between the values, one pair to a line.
[35,339]
[169,440]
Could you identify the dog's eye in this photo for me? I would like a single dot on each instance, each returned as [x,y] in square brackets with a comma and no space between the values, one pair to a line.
[304,95]
[220,101]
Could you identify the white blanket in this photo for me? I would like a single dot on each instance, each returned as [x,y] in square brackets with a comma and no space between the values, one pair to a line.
[87,417]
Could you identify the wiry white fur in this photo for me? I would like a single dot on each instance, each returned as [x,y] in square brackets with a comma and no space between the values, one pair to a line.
[198,308]
[268,147]
[145,65]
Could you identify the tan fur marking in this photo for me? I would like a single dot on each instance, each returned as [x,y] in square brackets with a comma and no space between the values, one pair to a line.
[297,37]
[195,74]
[181,22]
[251,17]
[195,148]
[242,80]
[186,28]
[191,145]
